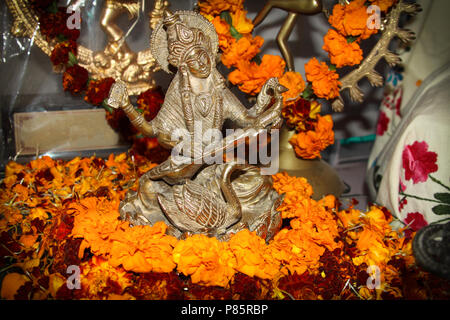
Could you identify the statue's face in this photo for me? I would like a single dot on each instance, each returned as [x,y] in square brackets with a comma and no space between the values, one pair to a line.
[199,63]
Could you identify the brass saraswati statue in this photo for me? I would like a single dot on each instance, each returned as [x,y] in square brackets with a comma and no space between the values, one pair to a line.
[194,195]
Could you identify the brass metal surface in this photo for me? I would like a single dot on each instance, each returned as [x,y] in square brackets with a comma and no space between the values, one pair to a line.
[117,60]
[196,197]
[322,177]
[294,9]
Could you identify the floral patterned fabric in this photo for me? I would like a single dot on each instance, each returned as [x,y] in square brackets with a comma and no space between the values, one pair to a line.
[409,169]
[410,172]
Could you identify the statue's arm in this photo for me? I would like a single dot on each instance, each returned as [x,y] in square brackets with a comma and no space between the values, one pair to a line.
[138,121]
[236,112]
[243,116]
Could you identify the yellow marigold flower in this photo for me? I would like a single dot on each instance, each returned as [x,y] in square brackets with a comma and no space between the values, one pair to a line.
[208,261]
[251,255]
[240,22]
[11,283]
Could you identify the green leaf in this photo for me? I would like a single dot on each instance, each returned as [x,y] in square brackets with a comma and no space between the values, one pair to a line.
[444,197]
[225,15]
[72,59]
[307,94]
[106,106]
[332,67]
[234,33]
[441,209]
[351,39]
[53,7]
[61,38]
[257,59]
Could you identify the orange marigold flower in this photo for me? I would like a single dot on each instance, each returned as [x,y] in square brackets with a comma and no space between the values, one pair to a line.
[143,248]
[240,22]
[351,19]
[296,252]
[325,82]
[243,49]
[223,32]
[208,261]
[11,284]
[341,52]
[215,7]
[349,218]
[383,4]
[297,192]
[294,82]
[250,76]
[309,144]
[138,249]
[251,255]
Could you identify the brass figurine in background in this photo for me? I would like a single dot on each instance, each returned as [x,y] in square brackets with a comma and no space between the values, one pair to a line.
[294,8]
[196,197]
[117,49]
[117,60]
[389,30]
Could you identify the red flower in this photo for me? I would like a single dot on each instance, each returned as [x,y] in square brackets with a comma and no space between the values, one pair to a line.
[60,54]
[71,34]
[75,79]
[150,102]
[402,203]
[98,91]
[418,162]
[41,4]
[383,123]
[416,221]
[53,24]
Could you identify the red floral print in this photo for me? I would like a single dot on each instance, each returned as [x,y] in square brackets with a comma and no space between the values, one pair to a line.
[416,221]
[383,123]
[418,162]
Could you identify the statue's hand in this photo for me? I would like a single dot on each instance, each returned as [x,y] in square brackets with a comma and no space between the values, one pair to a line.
[118,95]
[272,116]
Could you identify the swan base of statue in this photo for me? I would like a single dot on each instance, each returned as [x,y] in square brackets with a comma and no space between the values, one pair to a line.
[200,205]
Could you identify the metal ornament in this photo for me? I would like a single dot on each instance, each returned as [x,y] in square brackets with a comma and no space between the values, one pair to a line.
[196,197]
[117,60]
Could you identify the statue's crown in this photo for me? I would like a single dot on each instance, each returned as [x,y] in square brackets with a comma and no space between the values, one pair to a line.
[182,39]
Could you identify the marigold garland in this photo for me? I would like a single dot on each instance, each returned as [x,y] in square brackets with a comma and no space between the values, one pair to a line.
[309,144]
[240,51]
[58,213]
